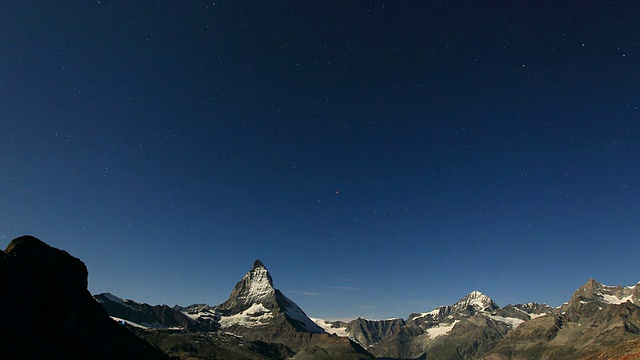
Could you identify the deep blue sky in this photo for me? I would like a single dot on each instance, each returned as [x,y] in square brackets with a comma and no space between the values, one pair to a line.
[380,158]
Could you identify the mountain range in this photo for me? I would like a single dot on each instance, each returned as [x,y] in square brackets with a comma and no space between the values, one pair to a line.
[47,312]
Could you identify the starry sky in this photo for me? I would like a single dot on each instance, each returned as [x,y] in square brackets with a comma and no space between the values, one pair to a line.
[380,157]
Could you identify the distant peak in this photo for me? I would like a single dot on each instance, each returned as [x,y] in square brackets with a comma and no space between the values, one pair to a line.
[258,263]
[476,300]
[476,295]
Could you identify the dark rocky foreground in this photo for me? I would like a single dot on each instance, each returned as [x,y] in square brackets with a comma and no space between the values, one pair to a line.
[47,312]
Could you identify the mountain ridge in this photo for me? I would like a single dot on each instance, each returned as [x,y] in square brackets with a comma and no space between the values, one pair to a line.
[47,303]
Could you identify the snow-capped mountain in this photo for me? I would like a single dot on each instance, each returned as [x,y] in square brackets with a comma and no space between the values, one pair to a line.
[257,311]
[593,291]
[254,302]
[474,302]
[595,317]
[469,305]
[472,327]
[473,324]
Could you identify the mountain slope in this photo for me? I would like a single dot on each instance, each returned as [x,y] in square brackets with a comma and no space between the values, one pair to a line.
[628,350]
[155,316]
[596,318]
[47,312]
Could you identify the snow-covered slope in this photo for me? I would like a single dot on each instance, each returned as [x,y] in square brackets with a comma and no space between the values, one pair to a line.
[255,302]
[338,328]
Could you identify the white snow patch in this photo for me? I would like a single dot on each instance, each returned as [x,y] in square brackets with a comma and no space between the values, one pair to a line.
[113,298]
[191,316]
[563,304]
[535,316]
[433,314]
[478,299]
[326,326]
[441,329]
[259,285]
[513,322]
[145,325]
[201,314]
[117,319]
[295,313]
[234,335]
[256,315]
[118,300]
[611,299]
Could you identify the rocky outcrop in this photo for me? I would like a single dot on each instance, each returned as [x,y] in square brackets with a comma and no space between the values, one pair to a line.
[628,350]
[596,317]
[47,312]
[368,332]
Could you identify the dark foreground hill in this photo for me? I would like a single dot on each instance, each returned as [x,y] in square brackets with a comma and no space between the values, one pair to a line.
[46,311]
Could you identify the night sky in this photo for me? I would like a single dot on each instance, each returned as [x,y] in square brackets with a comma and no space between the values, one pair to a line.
[380,157]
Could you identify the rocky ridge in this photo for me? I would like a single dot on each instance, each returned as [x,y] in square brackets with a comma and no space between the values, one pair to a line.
[48,313]
[474,327]
[595,318]
[158,316]
[259,322]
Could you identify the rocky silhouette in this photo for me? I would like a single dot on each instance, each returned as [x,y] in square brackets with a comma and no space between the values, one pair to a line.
[48,313]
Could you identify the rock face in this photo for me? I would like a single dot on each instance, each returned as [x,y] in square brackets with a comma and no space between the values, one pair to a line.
[628,350]
[596,318]
[47,312]
[368,332]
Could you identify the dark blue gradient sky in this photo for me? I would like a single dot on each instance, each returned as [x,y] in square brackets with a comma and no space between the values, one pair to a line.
[381,157]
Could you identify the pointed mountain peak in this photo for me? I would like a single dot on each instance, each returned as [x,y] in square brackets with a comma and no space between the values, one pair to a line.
[476,294]
[256,287]
[476,301]
[593,291]
[589,289]
[593,282]
[254,302]
[258,263]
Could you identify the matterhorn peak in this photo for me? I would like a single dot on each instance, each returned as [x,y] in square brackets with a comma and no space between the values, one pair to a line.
[255,287]
[258,263]
[254,302]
